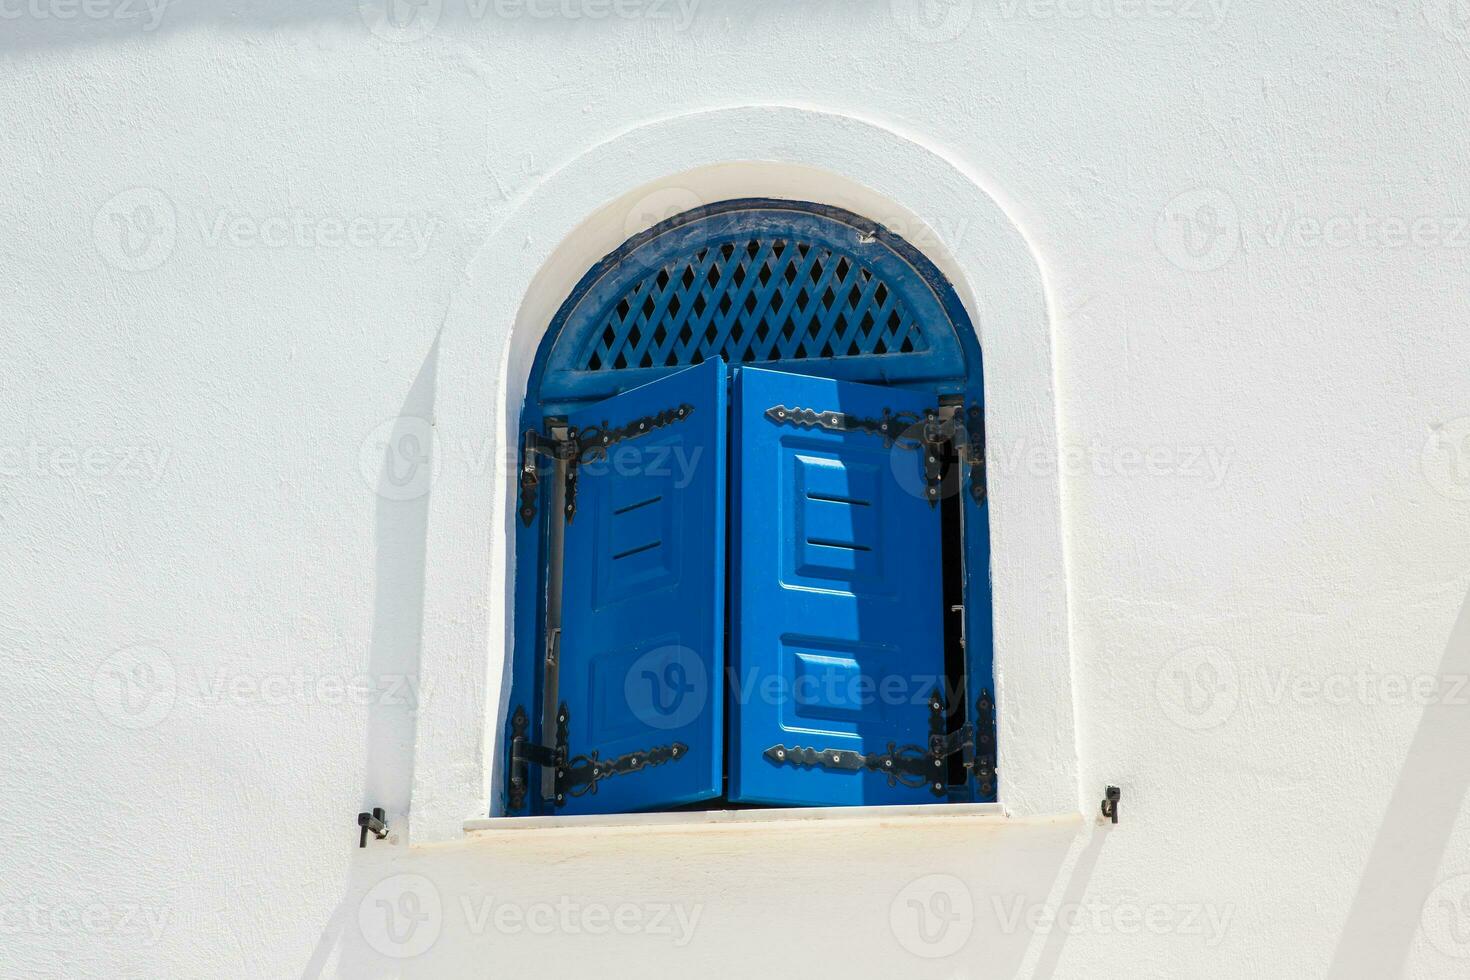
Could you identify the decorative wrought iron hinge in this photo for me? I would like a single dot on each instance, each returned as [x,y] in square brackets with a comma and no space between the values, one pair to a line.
[582,446]
[906,430]
[985,743]
[975,431]
[535,444]
[584,772]
[523,754]
[894,428]
[937,434]
[575,775]
[958,430]
[908,765]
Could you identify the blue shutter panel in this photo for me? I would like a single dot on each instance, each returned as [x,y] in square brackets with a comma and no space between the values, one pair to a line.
[643,608]
[837,619]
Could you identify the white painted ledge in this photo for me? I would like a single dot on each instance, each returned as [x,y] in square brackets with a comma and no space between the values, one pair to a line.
[699,821]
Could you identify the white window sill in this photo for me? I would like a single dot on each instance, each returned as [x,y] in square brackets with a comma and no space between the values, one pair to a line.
[708,821]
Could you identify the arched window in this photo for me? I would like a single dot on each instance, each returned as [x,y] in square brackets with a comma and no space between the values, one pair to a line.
[753,550]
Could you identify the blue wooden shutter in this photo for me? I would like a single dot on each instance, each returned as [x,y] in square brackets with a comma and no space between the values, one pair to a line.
[643,610]
[837,619]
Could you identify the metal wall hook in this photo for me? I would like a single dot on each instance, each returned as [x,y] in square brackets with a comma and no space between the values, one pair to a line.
[376,822]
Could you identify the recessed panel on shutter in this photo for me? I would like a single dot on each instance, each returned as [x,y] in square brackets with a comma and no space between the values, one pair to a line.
[837,603]
[641,653]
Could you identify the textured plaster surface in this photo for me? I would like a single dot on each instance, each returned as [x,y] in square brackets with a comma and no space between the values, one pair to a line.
[215,612]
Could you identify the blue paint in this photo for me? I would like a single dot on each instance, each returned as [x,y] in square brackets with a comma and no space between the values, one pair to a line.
[837,609]
[913,337]
[817,290]
[643,629]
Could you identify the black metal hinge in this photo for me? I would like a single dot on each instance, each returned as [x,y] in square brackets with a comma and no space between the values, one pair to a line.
[895,429]
[576,775]
[985,743]
[581,446]
[967,430]
[975,433]
[533,445]
[907,430]
[907,765]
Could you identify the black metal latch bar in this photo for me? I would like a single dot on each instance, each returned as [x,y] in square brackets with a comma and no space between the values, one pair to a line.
[581,446]
[907,765]
[575,775]
[907,430]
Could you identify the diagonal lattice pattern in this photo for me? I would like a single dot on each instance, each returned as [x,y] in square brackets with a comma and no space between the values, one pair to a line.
[758,301]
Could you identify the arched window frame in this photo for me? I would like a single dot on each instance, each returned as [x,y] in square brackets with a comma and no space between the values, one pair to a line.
[950,365]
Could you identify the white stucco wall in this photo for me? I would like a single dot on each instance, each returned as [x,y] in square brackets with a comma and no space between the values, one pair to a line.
[1249,225]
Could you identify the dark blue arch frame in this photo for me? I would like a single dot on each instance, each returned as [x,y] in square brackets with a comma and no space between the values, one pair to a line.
[952,365]
[951,362]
